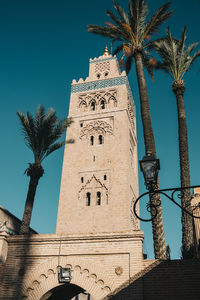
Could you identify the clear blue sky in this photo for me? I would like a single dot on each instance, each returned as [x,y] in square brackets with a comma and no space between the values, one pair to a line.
[44,45]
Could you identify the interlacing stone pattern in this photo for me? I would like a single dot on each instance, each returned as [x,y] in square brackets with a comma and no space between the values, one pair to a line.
[102,67]
[109,98]
[100,127]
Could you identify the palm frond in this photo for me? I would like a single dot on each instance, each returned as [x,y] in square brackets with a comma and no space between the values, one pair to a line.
[106,31]
[114,18]
[180,51]
[149,65]
[190,48]
[152,44]
[53,148]
[164,67]
[192,60]
[118,49]
[27,130]
[42,131]
[176,58]
[121,12]
[158,18]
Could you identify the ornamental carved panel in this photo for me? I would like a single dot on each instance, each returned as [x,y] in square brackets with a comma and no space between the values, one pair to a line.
[97,126]
[94,185]
[102,66]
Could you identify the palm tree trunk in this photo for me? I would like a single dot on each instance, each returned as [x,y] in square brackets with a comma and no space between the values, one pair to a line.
[24,229]
[187,222]
[157,223]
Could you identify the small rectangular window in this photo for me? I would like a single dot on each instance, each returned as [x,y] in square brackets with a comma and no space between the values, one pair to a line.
[88,199]
[81,124]
[94,158]
[105,177]
[82,179]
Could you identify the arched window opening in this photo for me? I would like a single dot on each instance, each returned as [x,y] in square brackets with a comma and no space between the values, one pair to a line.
[92,140]
[98,198]
[112,101]
[83,106]
[88,199]
[100,139]
[92,105]
[102,104]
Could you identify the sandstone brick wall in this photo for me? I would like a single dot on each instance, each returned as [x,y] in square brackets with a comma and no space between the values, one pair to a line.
[99,264]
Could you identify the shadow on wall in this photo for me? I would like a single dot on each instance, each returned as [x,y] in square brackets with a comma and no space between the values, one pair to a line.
[15,268]
[163,280]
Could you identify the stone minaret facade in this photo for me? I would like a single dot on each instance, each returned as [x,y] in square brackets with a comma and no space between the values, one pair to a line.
[97,235]
[100,176]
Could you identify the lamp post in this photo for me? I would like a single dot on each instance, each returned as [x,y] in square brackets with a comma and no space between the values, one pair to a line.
[150,166]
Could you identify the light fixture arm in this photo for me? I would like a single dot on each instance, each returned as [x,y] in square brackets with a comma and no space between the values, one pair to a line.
[170,194]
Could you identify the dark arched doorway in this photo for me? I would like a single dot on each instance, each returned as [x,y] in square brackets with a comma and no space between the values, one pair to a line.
[67,292]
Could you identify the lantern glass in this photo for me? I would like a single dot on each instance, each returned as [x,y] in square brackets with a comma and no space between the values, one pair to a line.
[64,275]
[150,166]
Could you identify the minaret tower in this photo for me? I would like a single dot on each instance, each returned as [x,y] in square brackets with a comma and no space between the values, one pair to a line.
[100,176]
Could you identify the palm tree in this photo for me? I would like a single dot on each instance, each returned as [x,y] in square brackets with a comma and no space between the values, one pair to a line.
[176,61]
[41,133]
[133,32]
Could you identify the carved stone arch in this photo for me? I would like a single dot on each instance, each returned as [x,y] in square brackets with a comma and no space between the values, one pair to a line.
[97,96]
[102,103]
[112,101]
[85,274]
[99,127]
[92,100]
[107,95]
[88,98]
[82,105]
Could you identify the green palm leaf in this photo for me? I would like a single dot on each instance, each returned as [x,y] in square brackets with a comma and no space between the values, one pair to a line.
[42,132]
[132,28]
[175,56]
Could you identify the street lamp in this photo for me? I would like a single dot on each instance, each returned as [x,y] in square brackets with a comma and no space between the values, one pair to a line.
[150,166]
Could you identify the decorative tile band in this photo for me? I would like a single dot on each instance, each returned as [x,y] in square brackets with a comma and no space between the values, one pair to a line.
[95,85]
[101,84]
[103,59]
